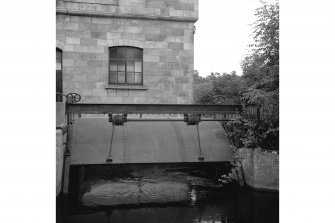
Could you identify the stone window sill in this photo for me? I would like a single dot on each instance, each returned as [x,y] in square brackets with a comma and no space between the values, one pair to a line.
[127,87]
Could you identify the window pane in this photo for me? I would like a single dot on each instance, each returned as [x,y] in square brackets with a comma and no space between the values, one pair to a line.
[130,66]
[122,53]
[138,78]
[113,52]
[130,53]
[130,78]
[138,66]
[113,77]
[138,54]
[121,66]
[113,65]
[121,77]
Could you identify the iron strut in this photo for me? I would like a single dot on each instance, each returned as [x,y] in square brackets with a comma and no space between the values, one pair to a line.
[109,158]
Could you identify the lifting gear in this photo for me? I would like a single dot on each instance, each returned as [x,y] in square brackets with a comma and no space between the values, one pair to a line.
[117,120]
[192,119]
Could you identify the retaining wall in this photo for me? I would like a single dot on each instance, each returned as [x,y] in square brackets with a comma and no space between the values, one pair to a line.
[260,169]
[59,159]
[60,114]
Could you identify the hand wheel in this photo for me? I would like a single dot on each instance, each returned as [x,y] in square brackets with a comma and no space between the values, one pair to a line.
[74,96]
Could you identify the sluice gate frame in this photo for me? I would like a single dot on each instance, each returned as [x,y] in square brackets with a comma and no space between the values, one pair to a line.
[192,116]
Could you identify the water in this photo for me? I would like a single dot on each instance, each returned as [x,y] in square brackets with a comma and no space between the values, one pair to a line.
[161,194]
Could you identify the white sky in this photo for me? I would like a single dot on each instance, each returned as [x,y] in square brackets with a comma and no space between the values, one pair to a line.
[222,34]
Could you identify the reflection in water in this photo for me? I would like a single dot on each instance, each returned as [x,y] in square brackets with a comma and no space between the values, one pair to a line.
[161,193]
[121,192]
[193,195]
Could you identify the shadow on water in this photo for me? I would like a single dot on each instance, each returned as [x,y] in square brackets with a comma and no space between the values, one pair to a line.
[161,193]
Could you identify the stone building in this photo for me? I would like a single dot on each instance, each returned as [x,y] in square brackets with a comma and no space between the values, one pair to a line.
[129,51]
[126,51]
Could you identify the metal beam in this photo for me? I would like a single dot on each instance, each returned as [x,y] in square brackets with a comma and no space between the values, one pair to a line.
[151,109]
[172,120]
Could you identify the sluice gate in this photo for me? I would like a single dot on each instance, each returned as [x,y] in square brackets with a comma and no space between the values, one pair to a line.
[147,133]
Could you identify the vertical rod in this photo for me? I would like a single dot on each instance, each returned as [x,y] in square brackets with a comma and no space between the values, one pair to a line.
[200,152]
[124,144]
[109,159]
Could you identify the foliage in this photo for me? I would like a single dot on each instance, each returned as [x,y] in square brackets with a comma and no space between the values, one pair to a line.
[202,89]
[257,88]
[254,134]
[261,66]
[260,90]
[233,175]
[261,76]
[206,88]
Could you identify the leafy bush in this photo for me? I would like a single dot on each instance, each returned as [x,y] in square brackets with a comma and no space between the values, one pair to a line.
[227,85]
[261,75]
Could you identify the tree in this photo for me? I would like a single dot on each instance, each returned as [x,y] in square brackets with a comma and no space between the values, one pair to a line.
[261,76]
[206,88]
[261,66]
[257,88]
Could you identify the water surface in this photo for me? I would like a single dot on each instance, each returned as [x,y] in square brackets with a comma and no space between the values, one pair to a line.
[162,193]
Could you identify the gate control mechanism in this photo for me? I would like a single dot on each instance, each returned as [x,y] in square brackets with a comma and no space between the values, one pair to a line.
[117,120]
[192,119]
[120,119]
[117,114]
[72,98]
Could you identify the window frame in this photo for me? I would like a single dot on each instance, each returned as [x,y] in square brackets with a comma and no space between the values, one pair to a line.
[125,60]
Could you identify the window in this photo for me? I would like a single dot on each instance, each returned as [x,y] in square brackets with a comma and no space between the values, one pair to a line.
[59,78]
[125,65]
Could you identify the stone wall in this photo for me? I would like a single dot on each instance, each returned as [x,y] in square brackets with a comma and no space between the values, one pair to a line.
[59,160]
[60,114]
[150,8]
[163,29]
[260,169]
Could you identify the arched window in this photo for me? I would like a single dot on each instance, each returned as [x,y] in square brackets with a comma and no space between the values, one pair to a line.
[59,76]
[125,65]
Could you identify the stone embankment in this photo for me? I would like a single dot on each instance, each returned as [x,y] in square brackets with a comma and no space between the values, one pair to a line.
[260,169]
[59,160]
[60,146]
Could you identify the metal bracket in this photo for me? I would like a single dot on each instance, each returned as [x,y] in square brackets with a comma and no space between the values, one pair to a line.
[117,120]
[192,119]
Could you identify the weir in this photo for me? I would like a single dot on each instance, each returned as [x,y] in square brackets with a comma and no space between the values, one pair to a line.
[147,134]
[146,142]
